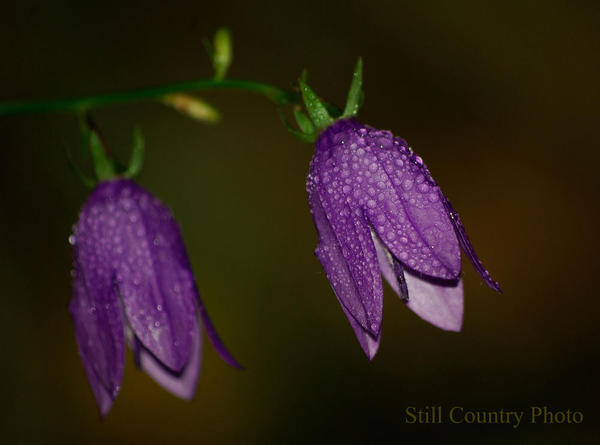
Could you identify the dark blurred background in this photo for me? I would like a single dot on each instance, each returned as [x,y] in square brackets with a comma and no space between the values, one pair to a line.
[500,99]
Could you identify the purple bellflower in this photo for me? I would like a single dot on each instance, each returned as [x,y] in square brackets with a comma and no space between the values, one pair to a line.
[378,212]
[132,282]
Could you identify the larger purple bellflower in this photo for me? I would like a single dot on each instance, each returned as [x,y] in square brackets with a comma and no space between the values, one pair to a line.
[378,211]
[132,281]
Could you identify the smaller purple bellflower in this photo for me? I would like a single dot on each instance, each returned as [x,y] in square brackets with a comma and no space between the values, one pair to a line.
[133,282]
[378,212]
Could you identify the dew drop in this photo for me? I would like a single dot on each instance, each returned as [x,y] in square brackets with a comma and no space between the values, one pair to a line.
[423,188]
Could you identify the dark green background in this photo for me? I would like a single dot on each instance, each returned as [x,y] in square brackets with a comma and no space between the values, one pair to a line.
[500,99]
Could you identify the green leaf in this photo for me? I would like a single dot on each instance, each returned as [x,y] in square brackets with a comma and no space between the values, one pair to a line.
[222,54]
[355,92]
[316,109]
[303,121]
[137,155]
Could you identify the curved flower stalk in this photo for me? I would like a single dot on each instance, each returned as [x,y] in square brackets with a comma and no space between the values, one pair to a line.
[378,212]
[133,282]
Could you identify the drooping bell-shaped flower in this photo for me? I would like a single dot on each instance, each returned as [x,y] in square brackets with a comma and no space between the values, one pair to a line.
[133,283]
[378,212]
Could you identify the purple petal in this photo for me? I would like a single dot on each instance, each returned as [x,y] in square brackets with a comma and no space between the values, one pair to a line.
[154,280]
[368,343]
[176,278]
[412,222]
[371,170]
[441,304]
[99,332]
[182,384]
[466,244]
[214,338]
[348,257]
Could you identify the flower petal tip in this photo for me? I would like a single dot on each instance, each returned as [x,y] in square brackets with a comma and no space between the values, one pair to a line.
[233,363]
[494,285]
[214,338]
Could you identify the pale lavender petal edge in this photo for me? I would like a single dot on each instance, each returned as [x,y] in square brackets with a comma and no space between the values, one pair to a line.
[439,304]
[181,384]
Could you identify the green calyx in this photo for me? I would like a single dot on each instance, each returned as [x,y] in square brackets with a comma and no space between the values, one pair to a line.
[321,114]
[356,95]
[136,161]
[314,106]
[105,165]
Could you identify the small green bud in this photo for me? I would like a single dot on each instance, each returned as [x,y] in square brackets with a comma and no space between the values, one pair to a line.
[222,54]
[192,107]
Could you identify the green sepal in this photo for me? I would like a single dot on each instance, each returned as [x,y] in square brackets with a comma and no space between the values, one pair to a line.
[104,166]
[303,121]
[315,108]
[306,137]
[85,179]
[137,155]
[355,93]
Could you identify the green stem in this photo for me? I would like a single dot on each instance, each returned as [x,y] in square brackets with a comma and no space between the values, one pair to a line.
[81,104]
